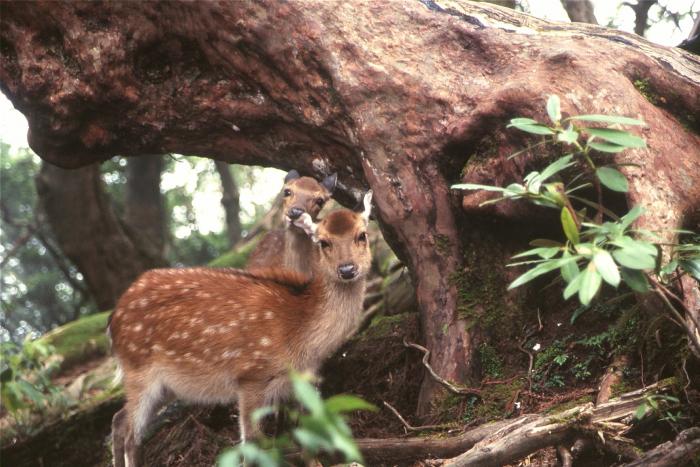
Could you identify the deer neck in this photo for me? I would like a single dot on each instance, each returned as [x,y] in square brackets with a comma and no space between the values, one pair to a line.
[298,250]
[338,314]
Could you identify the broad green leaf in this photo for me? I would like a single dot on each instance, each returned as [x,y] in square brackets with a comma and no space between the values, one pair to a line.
[347,403]
[641,411]
[554,108]
[31,392]
[474,186]
[569,270]
[606,147]
[537,129]
[543,252]
[537,271]
[262,412]
[608,119]
[636,280]
[631,216]
[311,440]
[307,394]
[573,286]
[691,266]
[556,167]
[569,225]
[590,283]
[568,136]
[522,121]
[607,268]
[612,178]
[637,245]
[544,242]
[634,259]
[617,137]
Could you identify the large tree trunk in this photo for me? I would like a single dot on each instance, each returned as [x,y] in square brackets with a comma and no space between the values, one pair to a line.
[144,210]
[580,11]
[108,254]
[395,96]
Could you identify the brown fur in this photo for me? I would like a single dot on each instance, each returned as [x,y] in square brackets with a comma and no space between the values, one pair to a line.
[216,335]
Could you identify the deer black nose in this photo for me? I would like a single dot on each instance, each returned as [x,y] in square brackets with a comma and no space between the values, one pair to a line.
[347,271]
[294,213]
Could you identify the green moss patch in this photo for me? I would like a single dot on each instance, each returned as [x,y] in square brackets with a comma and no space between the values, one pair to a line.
[236,258]
[79,340]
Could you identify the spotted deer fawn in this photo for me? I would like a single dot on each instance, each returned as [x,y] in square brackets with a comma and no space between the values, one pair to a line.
[218,335]
[290,246]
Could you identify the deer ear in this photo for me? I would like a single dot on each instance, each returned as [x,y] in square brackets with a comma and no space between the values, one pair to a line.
[305,223]
[329,182]
[291,175]
[367,205]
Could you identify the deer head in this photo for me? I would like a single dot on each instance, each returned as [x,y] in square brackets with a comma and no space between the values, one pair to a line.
[341,238]
[305,195]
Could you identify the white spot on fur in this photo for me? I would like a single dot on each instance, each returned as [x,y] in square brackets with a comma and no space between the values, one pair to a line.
[138,327]
[269,315]
[265,342]
[170,353]
[231,354]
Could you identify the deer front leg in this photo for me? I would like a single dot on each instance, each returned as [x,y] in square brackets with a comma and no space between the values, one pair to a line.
[249,398]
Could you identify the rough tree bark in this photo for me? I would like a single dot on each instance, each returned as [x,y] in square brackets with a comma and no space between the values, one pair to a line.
[230,202]
[108,254]
[144,210]
[396,96]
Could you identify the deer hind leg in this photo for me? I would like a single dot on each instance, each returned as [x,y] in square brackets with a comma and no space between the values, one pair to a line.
[144,401]
[119,428]
[250,397]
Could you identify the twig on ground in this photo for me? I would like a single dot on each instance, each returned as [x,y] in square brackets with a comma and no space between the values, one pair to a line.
[451,387]
[410,427]
[522,348]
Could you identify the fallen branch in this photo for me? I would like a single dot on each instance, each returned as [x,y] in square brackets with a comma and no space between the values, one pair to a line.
[409,427]
[681,451]
[533,432]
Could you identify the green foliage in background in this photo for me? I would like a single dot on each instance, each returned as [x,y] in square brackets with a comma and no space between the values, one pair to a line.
[594,251]
[321,429]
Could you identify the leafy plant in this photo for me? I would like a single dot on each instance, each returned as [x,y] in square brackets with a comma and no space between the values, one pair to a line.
[26,382]
[595,250]
[321,429]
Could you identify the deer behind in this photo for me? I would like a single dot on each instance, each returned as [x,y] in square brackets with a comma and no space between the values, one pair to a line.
[290,246]
[213,336]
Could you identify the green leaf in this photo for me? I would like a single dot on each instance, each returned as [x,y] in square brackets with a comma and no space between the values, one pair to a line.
[31,392]
[568,136]
[691,266]
[522,121]
[590,283]
[606,147]
[569,225]
[631,216]
[578,312]
[634,259]
[637,245]
[608,119]
[636,280]
[535,128]
[312,441]
[554,108]
[544,252]
[347,403]
[569,270]
[612,178]
[556,167]
[537,271]
[607,268]
[573,286]
[619,137]
[641,411]
[474,186]
[544,242]
[307,394]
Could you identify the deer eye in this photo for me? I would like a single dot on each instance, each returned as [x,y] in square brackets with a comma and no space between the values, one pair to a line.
[362,237]
[320,202]
[324,244]
[287,192]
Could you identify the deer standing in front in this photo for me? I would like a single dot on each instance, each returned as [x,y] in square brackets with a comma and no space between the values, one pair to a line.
[290,246]
[218,335]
